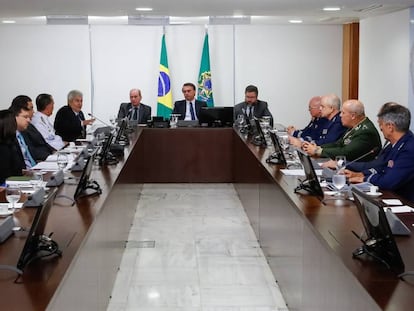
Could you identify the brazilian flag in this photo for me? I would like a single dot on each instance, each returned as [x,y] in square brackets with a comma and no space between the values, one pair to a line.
[165,104]
[205,91]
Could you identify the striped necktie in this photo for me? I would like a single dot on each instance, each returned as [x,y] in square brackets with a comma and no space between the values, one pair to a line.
[28,159]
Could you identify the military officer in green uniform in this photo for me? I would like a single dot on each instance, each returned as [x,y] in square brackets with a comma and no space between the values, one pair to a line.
[360,138]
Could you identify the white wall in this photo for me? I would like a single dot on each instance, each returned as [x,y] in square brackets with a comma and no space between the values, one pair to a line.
[43,59]
[289,63]
[384,61]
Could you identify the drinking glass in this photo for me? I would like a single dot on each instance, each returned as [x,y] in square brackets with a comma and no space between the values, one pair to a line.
[240,121]
[174,120]
[339,181]
[265,123]
[37,179]
[13,194]
[340,163]
[112,119]
[62,160]
[284,142]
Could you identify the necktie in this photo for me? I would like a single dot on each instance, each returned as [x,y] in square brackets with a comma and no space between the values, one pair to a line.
[192,111]
[83,130]
[28,159]
[250,112]
[135,114]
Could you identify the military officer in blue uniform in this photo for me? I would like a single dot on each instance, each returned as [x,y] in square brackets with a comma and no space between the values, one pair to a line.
[325,127]
[394,168]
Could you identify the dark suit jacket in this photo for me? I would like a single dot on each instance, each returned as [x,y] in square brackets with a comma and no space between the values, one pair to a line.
[181,107]
[260,110]
[68,125]
[12,162]
[126,111]
[38,147]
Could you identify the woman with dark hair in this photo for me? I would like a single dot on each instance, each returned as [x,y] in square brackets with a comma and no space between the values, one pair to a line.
[11,159]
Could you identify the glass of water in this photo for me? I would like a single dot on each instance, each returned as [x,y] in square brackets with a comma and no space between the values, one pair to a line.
[339,181]
[240,121]
[112,119]
[13,194]
[37,179]
[174,120]
[62,160]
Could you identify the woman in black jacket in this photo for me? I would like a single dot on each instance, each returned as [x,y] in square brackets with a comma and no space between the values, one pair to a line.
[11,158]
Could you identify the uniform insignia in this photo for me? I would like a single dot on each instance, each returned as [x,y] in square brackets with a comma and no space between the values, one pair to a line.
[347,141]
[325,131]
[390,163]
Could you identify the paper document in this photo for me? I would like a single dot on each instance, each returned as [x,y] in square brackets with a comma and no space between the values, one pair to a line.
[392,202]
[298,172]
[400,209]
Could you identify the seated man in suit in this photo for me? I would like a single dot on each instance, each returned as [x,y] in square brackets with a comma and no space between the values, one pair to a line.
[394,169]
[360,138]
[36,144]
[252,107]
[70,122]
[186,107]
[135,110]
[22,116]
[44,105]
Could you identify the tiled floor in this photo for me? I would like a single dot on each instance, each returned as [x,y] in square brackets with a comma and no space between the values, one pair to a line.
[205,257]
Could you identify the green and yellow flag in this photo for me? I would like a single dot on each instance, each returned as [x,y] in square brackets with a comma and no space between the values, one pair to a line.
[205,91]
[165,104]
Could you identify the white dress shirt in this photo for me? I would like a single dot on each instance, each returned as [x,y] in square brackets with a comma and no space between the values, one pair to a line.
[188,111]
[42,123]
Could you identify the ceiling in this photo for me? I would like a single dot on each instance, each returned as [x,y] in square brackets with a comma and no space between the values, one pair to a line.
[279,11]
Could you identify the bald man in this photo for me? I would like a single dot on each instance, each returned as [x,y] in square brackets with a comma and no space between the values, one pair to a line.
[360,138]
[313,130]
[135,110]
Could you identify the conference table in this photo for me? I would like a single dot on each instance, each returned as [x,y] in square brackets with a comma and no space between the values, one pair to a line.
[308,242]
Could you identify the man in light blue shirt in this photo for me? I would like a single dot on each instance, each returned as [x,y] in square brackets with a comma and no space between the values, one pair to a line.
[44,105]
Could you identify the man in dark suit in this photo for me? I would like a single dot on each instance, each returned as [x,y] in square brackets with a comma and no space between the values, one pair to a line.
[252,107]
[189,108]
[38,147]
[70,122]
[135,110]
[22,116]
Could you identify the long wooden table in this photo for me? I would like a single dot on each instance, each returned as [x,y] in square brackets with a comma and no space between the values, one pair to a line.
[308,244]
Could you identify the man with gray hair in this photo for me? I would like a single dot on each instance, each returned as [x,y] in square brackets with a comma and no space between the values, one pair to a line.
[360,138]
[70,122]
[394,168]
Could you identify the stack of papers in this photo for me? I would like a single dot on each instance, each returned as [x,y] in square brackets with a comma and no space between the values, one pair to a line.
[300,172]
[397,206]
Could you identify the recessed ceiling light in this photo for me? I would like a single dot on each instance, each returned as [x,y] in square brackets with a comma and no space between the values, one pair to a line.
[332,8]
[144,9]
[295,21]
[8,22]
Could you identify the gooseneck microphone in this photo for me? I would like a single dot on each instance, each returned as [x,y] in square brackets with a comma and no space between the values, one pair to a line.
[95,117]
[373,150]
